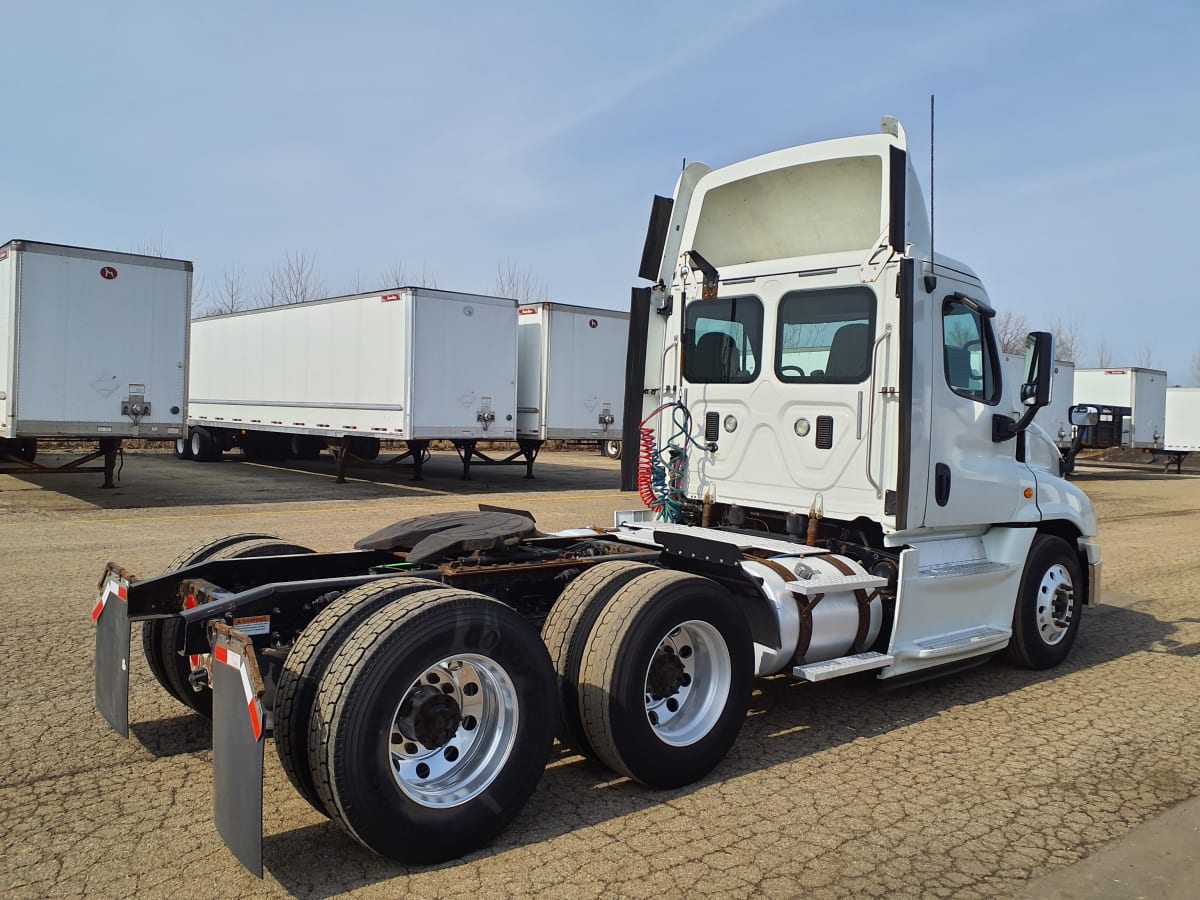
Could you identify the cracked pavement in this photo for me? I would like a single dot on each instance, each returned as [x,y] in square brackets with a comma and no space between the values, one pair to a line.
[971,785]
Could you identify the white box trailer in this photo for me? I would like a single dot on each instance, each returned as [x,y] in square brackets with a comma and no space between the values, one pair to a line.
[407,364]
[93,346]
[1054,419]
[1131,402]
[571,373]
[1182,434]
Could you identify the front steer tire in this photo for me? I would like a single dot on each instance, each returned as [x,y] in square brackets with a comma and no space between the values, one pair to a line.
[666,638]
[306,663]
[1049,605]
[377,679]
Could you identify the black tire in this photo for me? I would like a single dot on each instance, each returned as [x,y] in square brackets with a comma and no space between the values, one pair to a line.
[204,446]
[305,447]
[1051,594]
[365,448]
[306,663]
[611,449]
[386,660]
[152,642]
[566,632]
[697,619]
[178,669]
[27,449]
[183,448]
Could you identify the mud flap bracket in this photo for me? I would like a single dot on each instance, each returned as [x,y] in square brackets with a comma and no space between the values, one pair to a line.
[238,729]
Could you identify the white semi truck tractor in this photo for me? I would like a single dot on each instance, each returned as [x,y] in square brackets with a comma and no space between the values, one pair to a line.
[832,486]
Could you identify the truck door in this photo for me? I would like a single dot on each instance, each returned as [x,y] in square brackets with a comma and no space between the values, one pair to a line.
[972,480]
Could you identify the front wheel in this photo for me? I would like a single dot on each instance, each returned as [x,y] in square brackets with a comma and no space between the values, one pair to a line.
[183,448]
[666,678]
[432,725]
[1046,618]
[611,449]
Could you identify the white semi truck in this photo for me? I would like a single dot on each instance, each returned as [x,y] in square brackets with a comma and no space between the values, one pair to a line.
[833,487]
[93,347]
[407,364]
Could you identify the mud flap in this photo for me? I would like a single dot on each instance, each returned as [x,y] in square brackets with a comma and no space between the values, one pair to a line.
[238,730]
[111,617]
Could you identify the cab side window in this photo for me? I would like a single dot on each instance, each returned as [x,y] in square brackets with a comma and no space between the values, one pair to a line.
[723,340]
[969,353]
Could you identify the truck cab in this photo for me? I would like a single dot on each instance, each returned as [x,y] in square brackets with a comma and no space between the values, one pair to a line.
[830,366]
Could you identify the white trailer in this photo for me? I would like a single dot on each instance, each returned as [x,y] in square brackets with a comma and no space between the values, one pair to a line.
[1131,403]
[1054,419]
[93,347]
[571,373]
[406,364]
[1182,435]
[837,487]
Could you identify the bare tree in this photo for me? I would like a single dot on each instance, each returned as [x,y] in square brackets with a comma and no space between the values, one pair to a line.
[199,296]
[397,275]
[1068,345]
[1196,367]
[232,295]
[357,286]
[1145,355]
[1104,356]
[1011,331]
[150,247]
[519,283]
[294,280]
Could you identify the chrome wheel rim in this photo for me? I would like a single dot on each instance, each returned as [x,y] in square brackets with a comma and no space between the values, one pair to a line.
[687,683]
[453,730]
[1055,604]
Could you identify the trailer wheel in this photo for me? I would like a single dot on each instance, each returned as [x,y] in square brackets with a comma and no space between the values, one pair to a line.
[305,446]
[365,448]
[178,669]
[152,643]
[26,449]
[566,632]
[666,678]
[306,664]
[183,448]
[611,449]
[204,447]
[433,724]
[1049,607]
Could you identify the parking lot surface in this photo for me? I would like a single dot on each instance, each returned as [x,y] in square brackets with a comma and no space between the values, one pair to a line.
[971,785]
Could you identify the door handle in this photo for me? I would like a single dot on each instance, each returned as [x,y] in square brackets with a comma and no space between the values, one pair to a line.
[941,484]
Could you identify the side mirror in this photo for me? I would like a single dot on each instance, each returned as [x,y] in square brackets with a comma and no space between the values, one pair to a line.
[1039,369]
[1084,416]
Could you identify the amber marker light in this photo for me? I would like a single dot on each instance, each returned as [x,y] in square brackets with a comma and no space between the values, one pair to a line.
[1028,493]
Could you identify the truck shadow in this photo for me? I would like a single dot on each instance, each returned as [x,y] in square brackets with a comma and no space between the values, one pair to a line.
[788,721]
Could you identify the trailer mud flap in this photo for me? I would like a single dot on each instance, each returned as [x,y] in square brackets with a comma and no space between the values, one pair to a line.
[111,617]
[238,729]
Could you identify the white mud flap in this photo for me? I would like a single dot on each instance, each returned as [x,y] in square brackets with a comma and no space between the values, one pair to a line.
[111,617]
[238,729]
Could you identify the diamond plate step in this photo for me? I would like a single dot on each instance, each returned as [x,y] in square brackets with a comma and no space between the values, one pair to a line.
[844,665]
[950,644]
[826,584]
[956,570]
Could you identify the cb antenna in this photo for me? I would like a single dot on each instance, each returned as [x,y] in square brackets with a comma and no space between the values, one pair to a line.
[931,277]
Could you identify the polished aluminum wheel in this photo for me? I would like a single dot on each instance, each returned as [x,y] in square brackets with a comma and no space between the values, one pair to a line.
[454,730]
[687,683]
[1055,604]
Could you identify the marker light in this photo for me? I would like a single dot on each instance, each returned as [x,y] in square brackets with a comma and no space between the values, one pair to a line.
[730,423]
[802,427]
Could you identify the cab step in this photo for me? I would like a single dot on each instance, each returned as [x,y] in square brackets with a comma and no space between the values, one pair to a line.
[843,665]
[958,641]
[962,569]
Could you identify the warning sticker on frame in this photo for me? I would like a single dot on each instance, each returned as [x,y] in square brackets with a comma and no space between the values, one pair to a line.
[253,625]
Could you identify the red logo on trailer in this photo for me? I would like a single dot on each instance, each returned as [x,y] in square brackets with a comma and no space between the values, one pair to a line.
[592,323]
[108,273]
[527,311]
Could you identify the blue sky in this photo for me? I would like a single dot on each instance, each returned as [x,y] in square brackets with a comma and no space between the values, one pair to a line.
[451,137]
